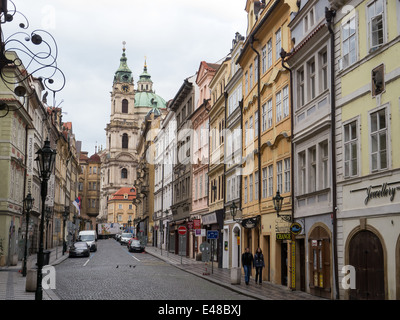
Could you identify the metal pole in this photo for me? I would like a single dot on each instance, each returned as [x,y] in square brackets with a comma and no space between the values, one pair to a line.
[39,289]
[26,243]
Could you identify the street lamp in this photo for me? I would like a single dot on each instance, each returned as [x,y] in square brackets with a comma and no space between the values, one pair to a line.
[28,204]
[46,157]
[233,208]
[278,201]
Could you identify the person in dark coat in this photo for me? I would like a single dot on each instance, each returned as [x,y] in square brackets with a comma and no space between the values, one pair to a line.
[247,261]
[259,265]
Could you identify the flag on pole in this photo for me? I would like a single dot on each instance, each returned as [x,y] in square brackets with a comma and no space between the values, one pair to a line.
[77,204]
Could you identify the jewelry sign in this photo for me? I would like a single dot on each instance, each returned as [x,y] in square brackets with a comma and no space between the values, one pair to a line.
[384,190]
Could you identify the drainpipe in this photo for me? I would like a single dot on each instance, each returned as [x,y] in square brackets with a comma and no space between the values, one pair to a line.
[259,116]
[283,56]
[259,131]
[329,15]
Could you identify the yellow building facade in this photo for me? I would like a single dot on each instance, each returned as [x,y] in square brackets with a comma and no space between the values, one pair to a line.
[266,134]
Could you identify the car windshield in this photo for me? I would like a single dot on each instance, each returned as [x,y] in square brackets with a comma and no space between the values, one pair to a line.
[80,244]
[86,237]
[135,242]
[127,235]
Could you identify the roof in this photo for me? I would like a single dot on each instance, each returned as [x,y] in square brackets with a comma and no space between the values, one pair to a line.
[95,158]
[148,99]
[121,194]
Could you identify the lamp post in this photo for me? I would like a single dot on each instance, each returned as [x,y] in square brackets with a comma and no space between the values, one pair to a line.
[46,157]
[49,216]
[28,204]
[65,216]
[278,201]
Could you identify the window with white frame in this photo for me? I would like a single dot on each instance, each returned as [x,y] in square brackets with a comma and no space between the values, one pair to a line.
[376,24]
[246,83]
[278,102]
[278,43]
[349,42]
[270,180]
[264,182]
[312,174]
[379,137]
[251,76]
[324,170]
[264,117]
[269,113]
[256,124]
[285,101]
[255,70]
[269,46]
[279,176]
[251,188]
[245,189]
[302,173]
[287,174]
[264,59]
[300,87]
[350,149]
[323,62]
[311,79]
[256,185]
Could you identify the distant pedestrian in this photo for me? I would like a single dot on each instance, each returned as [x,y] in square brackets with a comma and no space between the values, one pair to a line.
[259,265]
[247,261]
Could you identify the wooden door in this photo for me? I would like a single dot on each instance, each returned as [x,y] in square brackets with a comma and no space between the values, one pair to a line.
[366,255]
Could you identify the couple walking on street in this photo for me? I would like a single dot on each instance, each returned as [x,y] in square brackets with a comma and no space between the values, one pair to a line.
[257,261]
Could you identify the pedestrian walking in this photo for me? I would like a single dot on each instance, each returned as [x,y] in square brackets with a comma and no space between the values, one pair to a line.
[259,264]
[247,261]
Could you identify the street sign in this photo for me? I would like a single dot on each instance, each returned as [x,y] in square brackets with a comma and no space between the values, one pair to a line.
[182,230]
[212,234]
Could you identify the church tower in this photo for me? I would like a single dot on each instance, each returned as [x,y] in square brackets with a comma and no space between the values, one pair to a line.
[129,107]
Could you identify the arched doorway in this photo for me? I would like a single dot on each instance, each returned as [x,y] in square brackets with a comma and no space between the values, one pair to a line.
[366,255]
[320,262]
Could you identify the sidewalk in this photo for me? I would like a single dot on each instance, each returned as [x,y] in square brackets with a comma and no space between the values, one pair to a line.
[13,284]
[222,277]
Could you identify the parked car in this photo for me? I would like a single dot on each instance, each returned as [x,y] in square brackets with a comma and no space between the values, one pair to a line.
[135,246]
[90,237]
[118,236]
[125,238]
[79,249]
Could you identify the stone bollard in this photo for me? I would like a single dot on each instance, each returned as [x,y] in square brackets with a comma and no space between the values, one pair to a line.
[236,275]
[31,279]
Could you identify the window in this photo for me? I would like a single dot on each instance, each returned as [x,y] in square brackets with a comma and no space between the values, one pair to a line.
[311,79]
[124,173]
[269,44]
[287,174]
[246,83]
[379,140]
[264,117]
[349,42]
[323,59]
[251,131]
[279,176]
[251,188]
[264,59]
[278,101]
[256,124]
[285,101]
[256,70]
[256,185]
[264,182]
[312,175]
[251,76]
[300,87]
[269,121]
[350,149]
[245,189]
[324,165]
[278,44]
[124,106]
[246,133]
[270,180]
[302,172]
[376,24]
[125,141]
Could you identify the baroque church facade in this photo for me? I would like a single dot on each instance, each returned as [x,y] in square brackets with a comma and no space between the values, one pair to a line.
[129,107]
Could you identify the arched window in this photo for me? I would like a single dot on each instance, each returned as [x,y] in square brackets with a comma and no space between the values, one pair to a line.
[124,106]
[124,173]
[125,141]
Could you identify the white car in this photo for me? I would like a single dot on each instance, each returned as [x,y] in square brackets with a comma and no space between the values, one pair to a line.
[125,238]
[89,236]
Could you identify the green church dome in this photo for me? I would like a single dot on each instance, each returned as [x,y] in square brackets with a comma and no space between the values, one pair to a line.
[149,100]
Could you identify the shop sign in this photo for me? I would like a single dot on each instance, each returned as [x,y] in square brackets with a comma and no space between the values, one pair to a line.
[384,190]
[210,218]
[250,223]
[295,228]
[190,225]
[196,224]
[283,236]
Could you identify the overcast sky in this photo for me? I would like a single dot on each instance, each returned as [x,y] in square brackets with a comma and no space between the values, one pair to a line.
[174,35]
